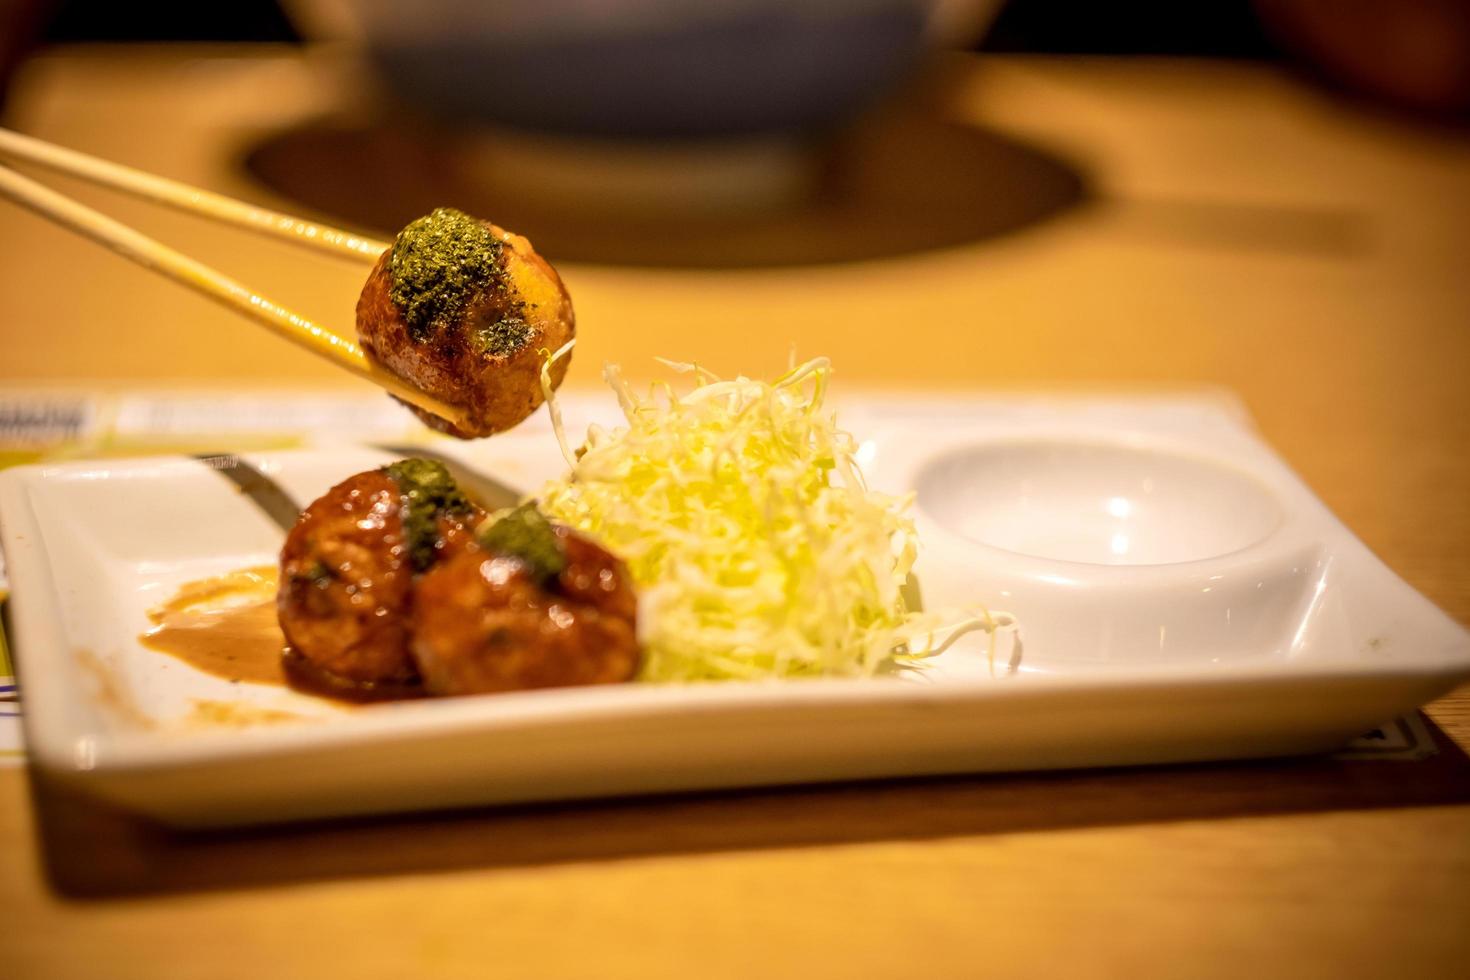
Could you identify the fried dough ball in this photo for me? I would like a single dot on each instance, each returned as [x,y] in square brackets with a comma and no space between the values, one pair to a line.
[346,584]
[509,616]
[347,575]
[460,309]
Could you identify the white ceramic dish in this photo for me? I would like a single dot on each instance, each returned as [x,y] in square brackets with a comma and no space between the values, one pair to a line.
[1182,597]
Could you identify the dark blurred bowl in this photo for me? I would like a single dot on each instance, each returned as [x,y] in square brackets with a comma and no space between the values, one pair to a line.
[1411,53]
[644,68]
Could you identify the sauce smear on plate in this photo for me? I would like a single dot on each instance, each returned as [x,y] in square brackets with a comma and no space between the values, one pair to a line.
[225,625]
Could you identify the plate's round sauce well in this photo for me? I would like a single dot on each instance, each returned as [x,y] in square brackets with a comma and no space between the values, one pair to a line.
[1097,503]
[225,625]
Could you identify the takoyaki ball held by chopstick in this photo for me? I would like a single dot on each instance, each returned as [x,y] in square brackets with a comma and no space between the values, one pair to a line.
[347,576]
[534,605]
[461,309]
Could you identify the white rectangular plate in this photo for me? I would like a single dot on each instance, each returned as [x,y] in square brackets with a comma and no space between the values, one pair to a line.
[1182,596]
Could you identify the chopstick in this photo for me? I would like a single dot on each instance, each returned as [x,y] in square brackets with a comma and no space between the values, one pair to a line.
[194,200]
[196,275]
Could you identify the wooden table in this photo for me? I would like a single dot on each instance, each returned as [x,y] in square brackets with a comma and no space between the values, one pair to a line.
[1216,224]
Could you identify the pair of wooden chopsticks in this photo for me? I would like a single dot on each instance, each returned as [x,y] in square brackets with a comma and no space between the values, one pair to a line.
[196,275]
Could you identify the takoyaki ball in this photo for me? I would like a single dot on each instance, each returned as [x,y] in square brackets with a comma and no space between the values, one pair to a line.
[535,605]
[462,309]
[347,570]
[346,585]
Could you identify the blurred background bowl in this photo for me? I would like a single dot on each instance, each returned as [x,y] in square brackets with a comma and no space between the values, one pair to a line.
[644,68]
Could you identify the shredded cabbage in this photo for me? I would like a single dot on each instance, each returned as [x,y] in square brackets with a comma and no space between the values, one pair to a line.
[745,522]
